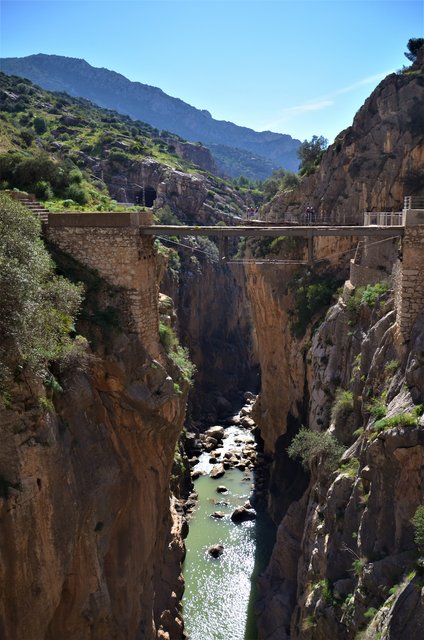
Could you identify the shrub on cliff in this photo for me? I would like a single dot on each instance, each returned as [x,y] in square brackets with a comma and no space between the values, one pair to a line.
[312,294]
[179,355]
[418,522]
[319,447]
[343,404]
[371,296]
[37,307]
[26,171]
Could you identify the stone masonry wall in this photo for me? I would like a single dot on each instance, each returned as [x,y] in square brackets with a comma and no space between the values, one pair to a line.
[409,280]
[122,258]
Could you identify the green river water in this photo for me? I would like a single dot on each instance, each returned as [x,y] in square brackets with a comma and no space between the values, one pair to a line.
[218,602]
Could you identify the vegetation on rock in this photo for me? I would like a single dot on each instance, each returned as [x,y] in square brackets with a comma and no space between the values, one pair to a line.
[310,153]
[418,522]
[313,294]
[314,446]
[38,307]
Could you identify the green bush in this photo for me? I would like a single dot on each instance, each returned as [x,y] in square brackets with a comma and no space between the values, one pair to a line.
[350,468]
[343,404]
[418,522]
[208,247]
[326,592]
[377,408]
[167,336]
[38,307]
[40,125]
[75,176]
[23,171]
[370,613]
[181,358]
[27,137]
[178,354]
[165,216]
[409,419]
[370,295]
[358,566]
[43,190]
[312,294]
[78,194]
[312,445]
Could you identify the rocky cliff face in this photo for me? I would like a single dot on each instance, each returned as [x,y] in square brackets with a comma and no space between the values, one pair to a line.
[194,198]
[345,563]
[89,547]
[214,322]
[345,549]
[373,163]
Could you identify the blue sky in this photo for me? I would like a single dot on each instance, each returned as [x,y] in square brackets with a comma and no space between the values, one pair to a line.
[300,67]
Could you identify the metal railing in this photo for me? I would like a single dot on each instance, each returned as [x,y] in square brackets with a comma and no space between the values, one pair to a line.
[413,202]
[384,218]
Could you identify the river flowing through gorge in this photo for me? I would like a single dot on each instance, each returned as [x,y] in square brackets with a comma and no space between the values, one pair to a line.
[220,591]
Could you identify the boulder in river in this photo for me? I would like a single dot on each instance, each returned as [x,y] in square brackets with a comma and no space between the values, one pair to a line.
[241,514]
[222,489]
[196,474]
[210,444]
[216,432]
[216,550]
[218,514]
[217,471]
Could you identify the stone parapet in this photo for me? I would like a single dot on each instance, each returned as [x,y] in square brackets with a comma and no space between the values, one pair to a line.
[104,219]
[123,258]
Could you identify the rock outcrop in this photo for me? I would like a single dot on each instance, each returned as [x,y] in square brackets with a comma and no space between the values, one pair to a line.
[90,546]
[373,163]
[345,548]
[193,197]
[345,560]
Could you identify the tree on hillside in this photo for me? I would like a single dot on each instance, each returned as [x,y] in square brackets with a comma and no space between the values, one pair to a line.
[414,45]
[280,180]
[310,153]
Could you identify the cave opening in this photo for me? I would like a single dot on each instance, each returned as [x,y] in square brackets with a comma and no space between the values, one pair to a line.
[145,197]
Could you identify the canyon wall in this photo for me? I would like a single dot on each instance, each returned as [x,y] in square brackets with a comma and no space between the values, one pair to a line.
[214,322]
[345,555]
[345,564]
[90,545]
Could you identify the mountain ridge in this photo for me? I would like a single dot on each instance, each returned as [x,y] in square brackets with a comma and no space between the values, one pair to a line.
[113,90]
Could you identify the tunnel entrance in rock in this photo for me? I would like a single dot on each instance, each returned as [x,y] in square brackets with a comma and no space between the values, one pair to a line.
[145,196]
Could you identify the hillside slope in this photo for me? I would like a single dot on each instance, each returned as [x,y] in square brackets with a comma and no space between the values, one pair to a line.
[150,104]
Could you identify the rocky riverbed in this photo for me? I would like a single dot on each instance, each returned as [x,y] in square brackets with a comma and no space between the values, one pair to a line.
[225,513]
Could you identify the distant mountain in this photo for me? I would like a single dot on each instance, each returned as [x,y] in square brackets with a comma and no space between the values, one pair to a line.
[150,104]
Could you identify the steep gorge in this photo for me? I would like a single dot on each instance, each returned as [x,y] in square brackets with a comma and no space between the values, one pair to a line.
[101,558]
